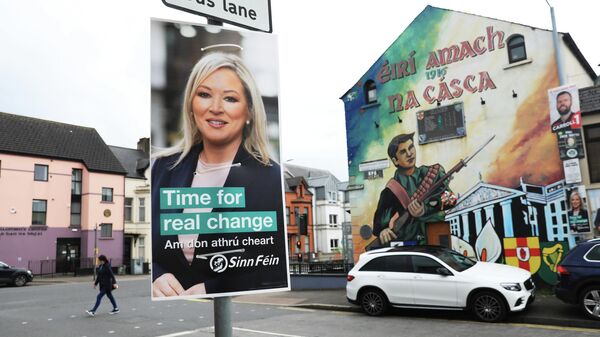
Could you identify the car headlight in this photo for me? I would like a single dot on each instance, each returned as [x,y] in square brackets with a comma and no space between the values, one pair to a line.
[511,286]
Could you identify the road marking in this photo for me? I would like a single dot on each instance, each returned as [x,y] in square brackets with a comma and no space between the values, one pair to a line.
[181,320]
[182,333]
[23,323]
[136,327]
[553,327]
[266,332]
[296,309]
[159,323]
[49,319]
[111,331]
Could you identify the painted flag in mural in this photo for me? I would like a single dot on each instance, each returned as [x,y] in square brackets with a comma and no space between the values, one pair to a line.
[523,253]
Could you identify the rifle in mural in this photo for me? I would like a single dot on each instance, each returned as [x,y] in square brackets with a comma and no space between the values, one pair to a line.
[405,219]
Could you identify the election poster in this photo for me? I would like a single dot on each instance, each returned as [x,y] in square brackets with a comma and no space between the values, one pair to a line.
[217,199]
[565,114]
[579,217]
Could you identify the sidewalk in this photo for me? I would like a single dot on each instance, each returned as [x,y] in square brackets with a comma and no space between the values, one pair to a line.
[546,310]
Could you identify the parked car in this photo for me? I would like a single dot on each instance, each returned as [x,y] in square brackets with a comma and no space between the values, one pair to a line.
[16,276]
[579,278]
[432,277]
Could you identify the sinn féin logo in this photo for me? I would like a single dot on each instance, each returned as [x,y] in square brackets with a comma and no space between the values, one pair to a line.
[218,263]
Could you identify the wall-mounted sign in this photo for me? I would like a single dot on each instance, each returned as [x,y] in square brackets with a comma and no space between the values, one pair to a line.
[441,123]
[251,14]
[107,213]
[570,144]
[572,171]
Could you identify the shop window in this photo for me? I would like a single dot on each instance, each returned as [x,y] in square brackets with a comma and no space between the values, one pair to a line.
[592,145]
[107,194]
[106,230]
[516,49]
[370,92]
[40,172]
[38,215]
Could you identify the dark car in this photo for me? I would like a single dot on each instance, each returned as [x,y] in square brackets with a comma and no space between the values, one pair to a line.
[16,276]
[579,278]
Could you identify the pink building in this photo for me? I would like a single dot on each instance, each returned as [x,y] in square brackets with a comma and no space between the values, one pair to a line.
[61,194]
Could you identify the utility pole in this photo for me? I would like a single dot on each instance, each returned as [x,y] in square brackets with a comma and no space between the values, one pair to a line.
[95,248]
[557,52]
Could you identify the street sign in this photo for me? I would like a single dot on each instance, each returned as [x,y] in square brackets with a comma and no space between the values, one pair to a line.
[251,14]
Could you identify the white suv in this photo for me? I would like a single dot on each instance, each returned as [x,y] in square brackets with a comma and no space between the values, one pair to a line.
[431,277]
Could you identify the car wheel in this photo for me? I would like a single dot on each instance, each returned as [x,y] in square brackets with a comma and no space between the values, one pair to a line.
[488,306]
[20,280]
[373,302]
[590,301]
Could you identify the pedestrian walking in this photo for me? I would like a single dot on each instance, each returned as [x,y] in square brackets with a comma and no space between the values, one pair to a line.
[106,279]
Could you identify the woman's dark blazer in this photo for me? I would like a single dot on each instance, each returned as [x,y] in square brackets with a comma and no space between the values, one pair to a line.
[262,193]
[105,277]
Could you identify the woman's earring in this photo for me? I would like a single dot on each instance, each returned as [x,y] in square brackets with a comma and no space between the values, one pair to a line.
[247,122]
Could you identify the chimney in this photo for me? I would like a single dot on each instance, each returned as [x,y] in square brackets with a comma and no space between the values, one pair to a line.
[144,145]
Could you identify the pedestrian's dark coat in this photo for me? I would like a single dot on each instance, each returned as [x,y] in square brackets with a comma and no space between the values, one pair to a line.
[105,277]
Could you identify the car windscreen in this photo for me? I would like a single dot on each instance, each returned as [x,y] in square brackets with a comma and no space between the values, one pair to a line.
[455,260]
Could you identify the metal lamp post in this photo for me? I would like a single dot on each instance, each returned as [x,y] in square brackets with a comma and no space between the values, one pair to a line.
[95,248]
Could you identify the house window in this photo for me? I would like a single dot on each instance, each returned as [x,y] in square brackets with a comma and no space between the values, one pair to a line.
[592,145]
[75,213]
[516,49]
[128,209]
[333,218]
[142,210]
[334,243]
[370,92]
[141,247]
[296,216]
[107,194]
[106,230]
[287,215]
[76,182]
[38,216]
[40,172]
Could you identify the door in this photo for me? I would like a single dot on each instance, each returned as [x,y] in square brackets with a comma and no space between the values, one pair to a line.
[431,288]
[5,272]
[127,242]
[392,274]
[67,254]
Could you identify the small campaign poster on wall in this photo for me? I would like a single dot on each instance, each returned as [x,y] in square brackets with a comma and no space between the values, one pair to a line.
[217,199]
[579,219]
[564,108]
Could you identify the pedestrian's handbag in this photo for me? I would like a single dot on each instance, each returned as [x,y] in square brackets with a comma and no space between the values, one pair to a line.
[115,285]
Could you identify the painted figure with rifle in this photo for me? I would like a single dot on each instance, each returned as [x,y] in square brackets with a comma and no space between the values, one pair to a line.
[414,197]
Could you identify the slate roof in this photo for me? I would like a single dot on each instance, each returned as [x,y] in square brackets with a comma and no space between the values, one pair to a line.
[43,138]
[133,160]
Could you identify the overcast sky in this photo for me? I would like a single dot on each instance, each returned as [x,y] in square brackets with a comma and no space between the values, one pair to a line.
[88,62]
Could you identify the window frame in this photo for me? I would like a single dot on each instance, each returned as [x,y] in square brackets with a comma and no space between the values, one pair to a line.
[45,212]
[128,208]
[585,257]
[35,172]
[370,87]
[587,129]
[387,267]
[110,197]
[413,257]
[142,209]
[75,182]
[510,48]
[105,225]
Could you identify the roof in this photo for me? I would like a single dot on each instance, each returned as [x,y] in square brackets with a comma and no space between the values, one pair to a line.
[292,183]
[306,172]
[417,249]
[133,160]
[566,37]
[43,138]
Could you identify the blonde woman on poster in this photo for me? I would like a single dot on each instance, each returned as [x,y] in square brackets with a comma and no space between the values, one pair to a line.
[224,144]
